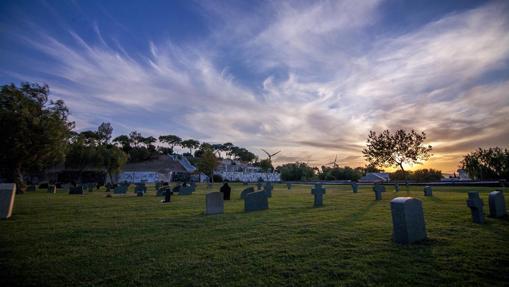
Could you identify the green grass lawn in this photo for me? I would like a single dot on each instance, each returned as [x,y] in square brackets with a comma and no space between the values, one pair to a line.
[68,240]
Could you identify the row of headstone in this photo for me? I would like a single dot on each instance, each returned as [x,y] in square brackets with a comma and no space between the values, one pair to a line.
[496,202]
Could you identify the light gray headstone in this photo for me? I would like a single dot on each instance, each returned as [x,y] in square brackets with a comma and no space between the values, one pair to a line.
[256,201]
[318,191]
[214,203]
[428,191]
[7,194]
[378,189]
[475,204]
[497,204]
[408,224]
[186,190]
[246,191]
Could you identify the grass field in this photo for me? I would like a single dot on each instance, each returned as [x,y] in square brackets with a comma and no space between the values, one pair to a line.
[71,240]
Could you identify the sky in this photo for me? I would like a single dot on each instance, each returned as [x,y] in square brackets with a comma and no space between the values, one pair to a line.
[309,78]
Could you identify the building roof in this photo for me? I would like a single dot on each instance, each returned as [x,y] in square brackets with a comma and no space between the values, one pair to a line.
[162,164]
[375,177]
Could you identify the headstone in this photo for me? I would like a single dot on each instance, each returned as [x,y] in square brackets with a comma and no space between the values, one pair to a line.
[259,185]
[167,194]
[268,188]
[428,191]
[31,188]
[193,186]
[378,189]
[185,190]
[318,193]
[244,183]
[408,224]
[7,194]
[140,189]
[226,191]
[497,204]
[214,203]
[396,187]
[355,187]
[475,203]
[157,185]
[288,186]
[76,190]
[246,191]
[256,201]
[52,188]
[120,189]
[161,191]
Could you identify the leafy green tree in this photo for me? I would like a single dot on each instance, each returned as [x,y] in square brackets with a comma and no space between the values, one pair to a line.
[208,162]
[35,131]
[265,164]
[396,149]
[295,171]
[427,175]
[113,159]
[171,140]
[487,163]
[83,153]
[104,132]
[190,144]
[123,142]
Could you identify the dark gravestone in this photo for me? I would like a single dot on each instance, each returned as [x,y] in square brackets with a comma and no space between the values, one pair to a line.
[408,224]
[52,188]
[259,185]
[177,188]
[76,189]
[268,189]
[161,191]
[246,191]
[226,190]
[378,189]
[396,187]
[214,203]
[140,189]
[475,203]
[244,183]
[186,190]
[428,191]
[355,187]
[120,189]
[497,204]
[256,201]
[7,194]
[193,186]
[31,188]
[167,194]
[318,191]
[288,186]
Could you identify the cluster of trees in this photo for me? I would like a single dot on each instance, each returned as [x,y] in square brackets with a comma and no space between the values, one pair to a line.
[420,175]
[487,163]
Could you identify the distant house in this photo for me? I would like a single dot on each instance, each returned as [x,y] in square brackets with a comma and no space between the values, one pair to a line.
[234,170]
[375,177]
[163,168]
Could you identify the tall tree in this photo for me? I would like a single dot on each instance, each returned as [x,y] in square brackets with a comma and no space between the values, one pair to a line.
[487,163]
[104,132]
[396,149]
[171,140]
[113,158]
[190,144]
[208,162]
[34,131]
[83,152]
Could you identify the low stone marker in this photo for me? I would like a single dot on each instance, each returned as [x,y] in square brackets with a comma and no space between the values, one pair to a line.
[288,186]
[140,189]
[120,189]
[396,187]
[185,190]
[76,190]
[428,191]
[268,189]
[475,203]
[246,191]
[355,187]
[161,191]
[52,188]
[214,203]
[408,224]
[256,201]
[378,189]
[259,185]
[226,190]
[167,194]
[497,204]
[7,194]
[318,191]
[193,186]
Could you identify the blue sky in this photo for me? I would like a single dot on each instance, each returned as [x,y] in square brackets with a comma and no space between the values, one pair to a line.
[310,78]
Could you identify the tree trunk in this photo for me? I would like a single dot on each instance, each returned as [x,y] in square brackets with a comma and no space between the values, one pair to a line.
[20,184]
[406,176]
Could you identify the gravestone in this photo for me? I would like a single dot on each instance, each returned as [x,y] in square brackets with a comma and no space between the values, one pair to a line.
[157,185]
[378,189]
[475,203]
[318,193]
[408,224]
[52,188]
[31,188]
[355,187]
[193,186]
[396,187]
[120,189]
[428,191]
[246,191]
[76,189]
[288,186]
[7,194]
[167,194]
[214,203]
[256,201]
[226,190]
[244,183]
[161,191]
[185,190]
[140,189]
[259,185]
[268,189]
[497,204]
